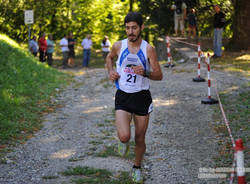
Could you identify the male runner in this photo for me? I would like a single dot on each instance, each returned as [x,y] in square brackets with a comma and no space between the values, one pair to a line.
[136,64]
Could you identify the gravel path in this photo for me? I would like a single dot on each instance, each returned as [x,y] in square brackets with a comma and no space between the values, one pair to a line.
[180,137]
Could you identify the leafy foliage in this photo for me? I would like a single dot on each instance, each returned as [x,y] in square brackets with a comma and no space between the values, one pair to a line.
[105,17]
[100,17]
[58,17]
[161,17]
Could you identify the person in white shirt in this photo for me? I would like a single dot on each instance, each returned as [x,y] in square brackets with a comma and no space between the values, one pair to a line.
[86,44]
[105,47]
[65,50]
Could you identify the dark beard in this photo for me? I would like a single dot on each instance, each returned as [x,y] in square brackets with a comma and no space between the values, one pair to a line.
[136,38]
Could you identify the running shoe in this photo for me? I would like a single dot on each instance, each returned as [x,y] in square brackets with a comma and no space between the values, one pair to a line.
[123,149]
[137,176]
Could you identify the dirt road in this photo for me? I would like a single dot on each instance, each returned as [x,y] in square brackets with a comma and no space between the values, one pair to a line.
[180,137]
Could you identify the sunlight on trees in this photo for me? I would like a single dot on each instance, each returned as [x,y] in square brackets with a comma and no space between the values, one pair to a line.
[58,17]
[105,17]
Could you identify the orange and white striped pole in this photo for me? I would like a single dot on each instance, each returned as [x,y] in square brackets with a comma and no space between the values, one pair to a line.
[169,64]
[209,100]
[198,78]
[240,161]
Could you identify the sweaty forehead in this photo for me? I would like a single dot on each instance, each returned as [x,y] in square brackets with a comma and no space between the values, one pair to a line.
[131,23]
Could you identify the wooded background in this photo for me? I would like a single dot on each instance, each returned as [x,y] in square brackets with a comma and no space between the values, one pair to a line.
[106,17]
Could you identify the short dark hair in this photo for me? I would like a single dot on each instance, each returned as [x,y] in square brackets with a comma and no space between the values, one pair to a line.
[134,17]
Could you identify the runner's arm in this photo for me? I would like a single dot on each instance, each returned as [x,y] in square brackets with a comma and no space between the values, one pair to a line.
[155,73]
[113,75]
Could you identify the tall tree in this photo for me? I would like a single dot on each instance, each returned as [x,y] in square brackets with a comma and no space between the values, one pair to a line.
[131,2]
[241,25]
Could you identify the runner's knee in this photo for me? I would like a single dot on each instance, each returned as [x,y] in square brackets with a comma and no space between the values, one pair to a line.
[124,137]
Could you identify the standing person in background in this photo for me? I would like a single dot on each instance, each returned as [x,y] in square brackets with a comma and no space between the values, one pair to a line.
[65,50]
[192,23]
[42,48]
[71,45]
[86,44]
[136,64]
[50,49]
[33,46]
[180,14]
[105,47]
[219,23]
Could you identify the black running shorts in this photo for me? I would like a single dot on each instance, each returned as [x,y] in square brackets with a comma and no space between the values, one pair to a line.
[139,103]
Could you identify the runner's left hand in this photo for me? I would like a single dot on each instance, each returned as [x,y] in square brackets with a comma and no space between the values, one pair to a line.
[138,70]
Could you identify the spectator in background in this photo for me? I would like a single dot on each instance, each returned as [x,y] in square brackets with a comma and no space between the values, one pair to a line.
[219,23]
[71,45]
[105,47]
[192,23]
[180,14]
[86,44]
[65,50]
[50,49]
[33,46]
[42,48]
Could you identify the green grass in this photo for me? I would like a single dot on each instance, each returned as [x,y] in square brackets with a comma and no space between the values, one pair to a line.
[86,171]
[49,177]
[106,132]
[96,142]
[89,175]
[233,62]
[236,105]
[108,151]
[100,125]
[26,87]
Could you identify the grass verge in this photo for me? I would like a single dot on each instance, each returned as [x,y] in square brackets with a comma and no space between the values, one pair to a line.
[236,107]
[26,89]
[96,176]
[237,62]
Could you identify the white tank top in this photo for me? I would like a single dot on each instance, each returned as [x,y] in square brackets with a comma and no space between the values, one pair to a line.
[130,82]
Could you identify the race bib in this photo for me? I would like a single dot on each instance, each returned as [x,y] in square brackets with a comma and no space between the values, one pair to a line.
[129,79]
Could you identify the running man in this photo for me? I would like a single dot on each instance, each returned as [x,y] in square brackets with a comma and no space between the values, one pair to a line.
[133,98]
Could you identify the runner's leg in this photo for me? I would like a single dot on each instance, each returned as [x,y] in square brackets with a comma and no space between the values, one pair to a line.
[123,120]
[141,125]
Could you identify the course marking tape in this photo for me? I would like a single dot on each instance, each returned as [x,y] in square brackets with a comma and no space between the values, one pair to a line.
[230,134]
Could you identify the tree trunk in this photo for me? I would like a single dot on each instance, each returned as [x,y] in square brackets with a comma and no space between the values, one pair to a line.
[131,2]
[241,26]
